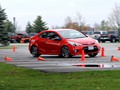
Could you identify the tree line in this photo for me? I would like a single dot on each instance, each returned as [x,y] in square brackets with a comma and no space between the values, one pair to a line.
[77,22]
[7,26]
[37,26]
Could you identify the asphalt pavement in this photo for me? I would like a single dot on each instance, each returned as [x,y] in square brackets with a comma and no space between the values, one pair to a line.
[52,63]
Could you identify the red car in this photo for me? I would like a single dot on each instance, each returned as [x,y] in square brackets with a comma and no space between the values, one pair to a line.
[63,42]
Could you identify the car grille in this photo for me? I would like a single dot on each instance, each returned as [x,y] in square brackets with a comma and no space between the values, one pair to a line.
[89,44]
[88,51]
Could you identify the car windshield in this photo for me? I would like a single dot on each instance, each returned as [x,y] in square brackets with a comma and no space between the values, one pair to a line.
[71,34]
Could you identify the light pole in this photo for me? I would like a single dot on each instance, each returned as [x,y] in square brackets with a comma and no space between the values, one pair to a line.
[119,34]
[14,24]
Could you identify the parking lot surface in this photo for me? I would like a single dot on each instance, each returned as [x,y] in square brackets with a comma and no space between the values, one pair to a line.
[52,63]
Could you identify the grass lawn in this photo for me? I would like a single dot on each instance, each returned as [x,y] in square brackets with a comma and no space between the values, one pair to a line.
[6,47]
[17,45]
[16,78]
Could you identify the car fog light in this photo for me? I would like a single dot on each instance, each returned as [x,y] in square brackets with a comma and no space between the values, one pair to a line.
[75,51]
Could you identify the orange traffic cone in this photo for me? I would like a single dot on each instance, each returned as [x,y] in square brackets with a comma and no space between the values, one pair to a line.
[14,48]
[40,59]
[8,58]
[83,56]
[114,58]
[102,52]
[118,48]
[83,65]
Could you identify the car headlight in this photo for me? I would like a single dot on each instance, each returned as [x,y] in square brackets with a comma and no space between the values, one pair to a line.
[74,44]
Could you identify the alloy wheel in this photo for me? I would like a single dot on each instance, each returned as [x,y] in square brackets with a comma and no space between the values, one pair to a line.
[34,51]
[65,52]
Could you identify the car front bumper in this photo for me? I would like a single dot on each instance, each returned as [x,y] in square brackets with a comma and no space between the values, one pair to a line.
[88,49]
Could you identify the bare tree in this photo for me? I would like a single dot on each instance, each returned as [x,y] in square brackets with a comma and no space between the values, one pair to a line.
[114,18]
[80,21]
[97,26]
[68,20]
[104,25]
[69,23]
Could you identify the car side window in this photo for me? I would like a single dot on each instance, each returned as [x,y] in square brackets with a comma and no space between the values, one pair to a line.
[43,35]
[53,36]
[50,35]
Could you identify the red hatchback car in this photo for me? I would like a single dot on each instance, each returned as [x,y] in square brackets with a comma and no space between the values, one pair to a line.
[63,42]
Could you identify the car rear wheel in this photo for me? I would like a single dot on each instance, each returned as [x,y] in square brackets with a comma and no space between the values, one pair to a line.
[34,51]
[93,55]
[113,40]
[103,41]
[65,52]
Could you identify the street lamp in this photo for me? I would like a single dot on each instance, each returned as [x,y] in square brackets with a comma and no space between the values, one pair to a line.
[14,24]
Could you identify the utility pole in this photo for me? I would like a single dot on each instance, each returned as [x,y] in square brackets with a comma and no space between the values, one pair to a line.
[14,24]
[119,34]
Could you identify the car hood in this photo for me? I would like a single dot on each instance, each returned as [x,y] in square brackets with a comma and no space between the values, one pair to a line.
[86,40]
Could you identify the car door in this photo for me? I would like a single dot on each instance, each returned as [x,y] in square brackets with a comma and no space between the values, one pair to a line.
[41,42]
[48,43]
[53,43]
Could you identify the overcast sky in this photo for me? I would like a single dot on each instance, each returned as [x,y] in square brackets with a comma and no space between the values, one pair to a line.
[54,12]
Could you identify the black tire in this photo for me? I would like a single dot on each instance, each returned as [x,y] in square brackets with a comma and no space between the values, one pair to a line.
[34,51]
[12,41]
[93,55]
[65,52]
[113,40]
[103,41]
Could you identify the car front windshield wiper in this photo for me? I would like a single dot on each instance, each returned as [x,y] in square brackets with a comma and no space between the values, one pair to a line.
[79,37]
[68,38]
[74,37]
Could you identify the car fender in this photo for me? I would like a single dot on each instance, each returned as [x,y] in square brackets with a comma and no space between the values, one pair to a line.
[31,45]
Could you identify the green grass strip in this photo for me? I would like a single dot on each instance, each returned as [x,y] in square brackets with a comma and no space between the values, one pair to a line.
[16,78]
[6,47]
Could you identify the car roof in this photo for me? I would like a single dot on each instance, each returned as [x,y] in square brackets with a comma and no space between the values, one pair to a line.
[59,29]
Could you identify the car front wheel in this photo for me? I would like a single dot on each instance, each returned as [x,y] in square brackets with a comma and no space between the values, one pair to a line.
[34,51]
[65,52]
[93,55]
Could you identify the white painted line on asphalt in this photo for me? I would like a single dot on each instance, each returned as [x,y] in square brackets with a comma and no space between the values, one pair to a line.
[105,65]
[39,65]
